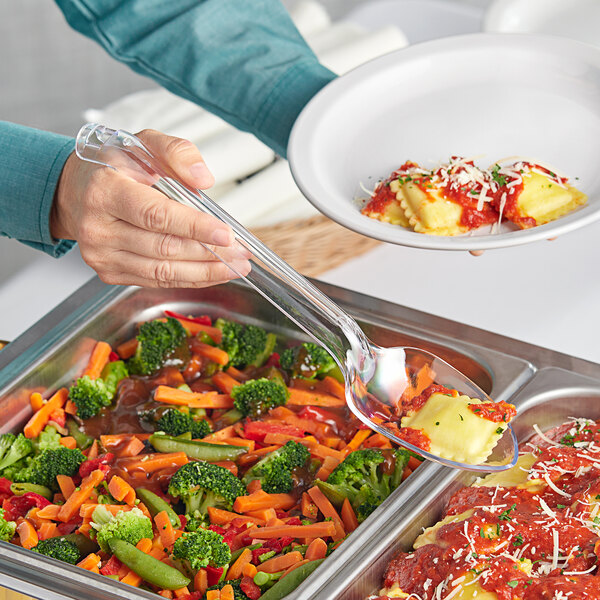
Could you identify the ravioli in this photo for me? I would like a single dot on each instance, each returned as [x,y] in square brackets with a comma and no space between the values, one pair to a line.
[455,429]
[542,199]
[386,205]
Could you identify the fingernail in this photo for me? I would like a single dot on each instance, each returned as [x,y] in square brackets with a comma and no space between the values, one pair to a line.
[221,237]
[200,172]
[242,251]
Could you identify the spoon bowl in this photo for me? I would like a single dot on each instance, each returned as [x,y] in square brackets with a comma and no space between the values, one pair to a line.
[378,381]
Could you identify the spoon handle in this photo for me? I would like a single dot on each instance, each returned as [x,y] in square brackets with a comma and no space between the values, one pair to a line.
[271,276]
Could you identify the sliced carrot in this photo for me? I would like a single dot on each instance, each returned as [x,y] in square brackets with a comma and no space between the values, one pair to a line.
[213,595]
[131,448]
[219,436]
[329,464]
[254,486]
[290,569]
[27,534]
[68,441]
[87,509]
[322,529]
[166,594]
[70,508]
[414,462]
[47,530]
[165,529]
[318,450]
[328,511]
[237,374]
[300,397]
[127,349]
[260,499]
[377,441]
[38,421]
[118,439]
[348,516]
[131,578]
[181,592]
[423,379]
[355,443]
[223,382]
[201,581]
[93,450]
[145,545]
[49,512]
[36,401]
[169,395]
[218,516]
[71,407]
[264,514]
[280,563]
[236,569]
[90,563]
[154,462]
[334,387]
[249,570]
[98,360]
[308,507]
[316,549]
[227,592]
[66,485]
[120,490]
[237,441]
[196,328]
[212,353]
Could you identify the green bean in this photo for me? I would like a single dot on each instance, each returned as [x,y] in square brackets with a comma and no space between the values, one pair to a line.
[185,436]
[231,416]
[83,543]
[18,489]
[291,581]
[197,450]
[156,504]
[147,567]
[82,439]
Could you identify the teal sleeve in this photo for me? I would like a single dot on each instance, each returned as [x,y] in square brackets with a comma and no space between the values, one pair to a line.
[31,162]
[243,60]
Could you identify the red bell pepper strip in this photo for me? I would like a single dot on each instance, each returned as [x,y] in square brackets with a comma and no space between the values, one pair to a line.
[257,430]
[201,320]
[103,463]
[213,575]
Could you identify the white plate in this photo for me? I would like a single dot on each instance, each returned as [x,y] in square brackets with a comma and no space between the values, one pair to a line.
[420,20]
[476,95]
[577,19]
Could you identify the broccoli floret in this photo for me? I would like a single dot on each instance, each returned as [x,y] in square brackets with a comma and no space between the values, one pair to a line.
[130,526]
[176,422]
[59,549]
[12,449]
[45,466]
[91,395]
[202,548]
[201,484]
[307,360]
[258,396]
[49,439]
[238,594]
[196,520]
[364,479]
[7,528]
[245,345]
[275,469]
[17,471]
[156,342]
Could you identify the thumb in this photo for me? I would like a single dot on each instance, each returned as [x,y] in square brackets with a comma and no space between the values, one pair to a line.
[180,156]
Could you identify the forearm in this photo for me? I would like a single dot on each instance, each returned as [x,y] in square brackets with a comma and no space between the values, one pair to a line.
[244,61]
[31,162]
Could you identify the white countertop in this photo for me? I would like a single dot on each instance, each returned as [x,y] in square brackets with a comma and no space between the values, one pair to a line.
[544,293]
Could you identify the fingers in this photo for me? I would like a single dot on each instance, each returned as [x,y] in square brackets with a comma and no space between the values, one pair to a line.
[140,270]
[167,246]
[181,156]
[476,252]
[150,210]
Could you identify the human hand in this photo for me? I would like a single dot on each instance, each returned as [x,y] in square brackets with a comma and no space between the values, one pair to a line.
[130,233]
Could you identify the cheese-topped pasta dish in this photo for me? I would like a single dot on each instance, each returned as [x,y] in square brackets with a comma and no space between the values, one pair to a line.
[458,196]
[529,533]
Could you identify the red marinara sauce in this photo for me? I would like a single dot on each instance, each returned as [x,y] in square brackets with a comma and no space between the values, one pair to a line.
[416,437]
[382,197]
[496,412]
[537,543]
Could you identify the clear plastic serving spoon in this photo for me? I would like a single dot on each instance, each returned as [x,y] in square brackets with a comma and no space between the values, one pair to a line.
[375,377]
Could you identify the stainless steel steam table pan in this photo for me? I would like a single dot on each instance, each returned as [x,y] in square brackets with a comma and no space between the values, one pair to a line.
[55,349]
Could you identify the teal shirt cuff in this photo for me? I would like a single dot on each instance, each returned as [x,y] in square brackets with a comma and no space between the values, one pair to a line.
[31,162]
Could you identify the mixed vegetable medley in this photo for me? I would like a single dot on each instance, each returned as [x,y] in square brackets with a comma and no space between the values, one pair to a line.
[198,460]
